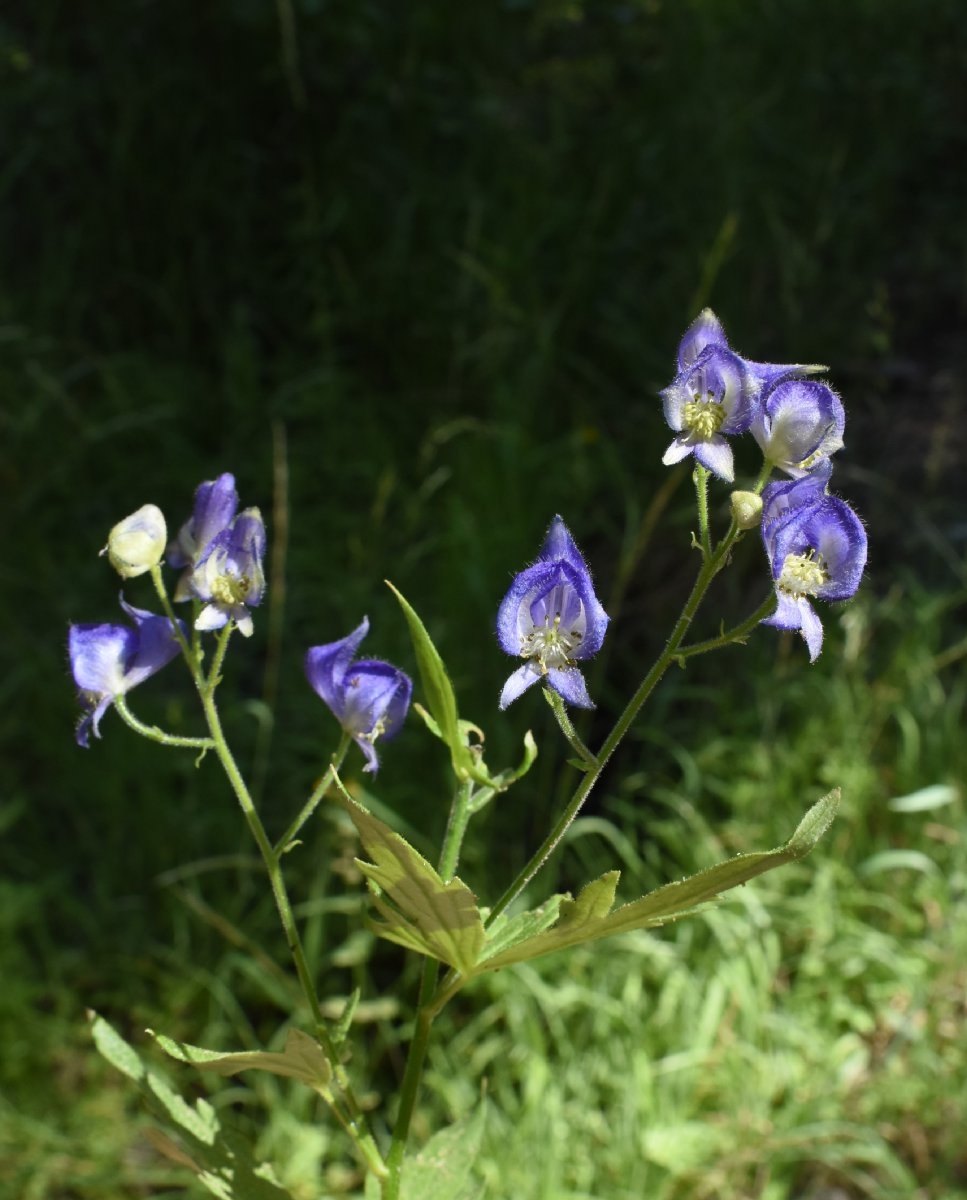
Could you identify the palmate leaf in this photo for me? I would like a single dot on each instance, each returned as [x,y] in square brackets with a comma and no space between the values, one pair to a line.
[301,1059]
[419,910]
[219,1157]
[589,917]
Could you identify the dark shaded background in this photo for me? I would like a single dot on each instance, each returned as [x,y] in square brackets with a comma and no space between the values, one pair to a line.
[445,252]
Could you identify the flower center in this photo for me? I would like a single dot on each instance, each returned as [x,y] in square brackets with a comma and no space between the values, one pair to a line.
[704,417]
[555,628]
[230,590]
[803,574]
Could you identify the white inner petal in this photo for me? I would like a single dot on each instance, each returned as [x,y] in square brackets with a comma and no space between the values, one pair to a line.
[552,626]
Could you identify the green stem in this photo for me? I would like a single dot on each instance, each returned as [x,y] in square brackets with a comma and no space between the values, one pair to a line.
[158,735]
[709,569]
[567,728]
[700,477]
[737,634]
[318,792]
[159,586]
[459,818]
[353,1120]
[221,649]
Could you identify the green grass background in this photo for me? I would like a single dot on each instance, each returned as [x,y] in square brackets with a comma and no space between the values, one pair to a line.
[433,261]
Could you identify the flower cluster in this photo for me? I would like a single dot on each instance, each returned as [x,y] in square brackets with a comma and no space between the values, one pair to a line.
[815,543]
[219,552]
[718,392]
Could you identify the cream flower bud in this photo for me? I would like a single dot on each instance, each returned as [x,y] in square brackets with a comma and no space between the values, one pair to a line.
[746,509]
[137,543]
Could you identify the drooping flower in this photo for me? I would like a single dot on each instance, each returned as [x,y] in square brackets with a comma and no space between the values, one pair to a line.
[709,398]
[799,424]
[816,548]
[229,576]
[552,618]
[137,543]
[216,502]
[109,660]
[369,698]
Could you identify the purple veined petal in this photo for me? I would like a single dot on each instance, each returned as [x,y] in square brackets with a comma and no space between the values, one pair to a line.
[326,666]
[787,614]
[570,685]
[812,629]
[531,581]
[369,698]
[156,644]
[376,700]
[716,456]
[796,613]
[368,690]
[248,550]
[673,399]
[785,496]
[559,547]
[679,449]
[216,502]
[841,542]
[768,375]
[108,660]
[518,682]
[705,330]
[99,655]
[800,423]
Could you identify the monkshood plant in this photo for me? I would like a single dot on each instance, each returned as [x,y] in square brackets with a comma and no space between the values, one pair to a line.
[551,622]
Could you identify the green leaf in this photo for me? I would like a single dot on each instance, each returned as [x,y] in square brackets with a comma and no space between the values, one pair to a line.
[301,1059]
[898,860]
[589,917]
[437,690]
[926,799]
[441,1170]
[419,910]
[219,1157]
[508,931]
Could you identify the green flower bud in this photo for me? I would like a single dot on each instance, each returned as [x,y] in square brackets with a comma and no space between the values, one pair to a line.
[746,509]
[137,543]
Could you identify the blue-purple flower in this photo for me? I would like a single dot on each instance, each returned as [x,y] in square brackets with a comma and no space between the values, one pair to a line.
[229,577]
[716,394]
[799,424]
[816,547]
[108,660]
[709,398]
[552,618]
[216,502]
[368,698]
[706,330]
